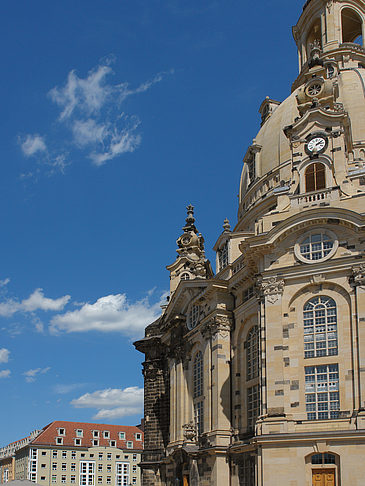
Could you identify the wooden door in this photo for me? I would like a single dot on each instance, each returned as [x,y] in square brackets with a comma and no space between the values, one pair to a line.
[323,477]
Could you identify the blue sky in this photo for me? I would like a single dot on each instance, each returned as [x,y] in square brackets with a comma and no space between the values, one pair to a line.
[116,114]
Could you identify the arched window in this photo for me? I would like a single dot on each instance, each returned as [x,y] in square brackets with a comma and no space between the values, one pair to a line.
[198,391]
[320,327]
[325,458]
[252,354]
[315,177]
[185,276]
[314,36]
[351,26]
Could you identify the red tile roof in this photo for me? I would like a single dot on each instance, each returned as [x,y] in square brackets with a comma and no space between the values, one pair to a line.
[50,433]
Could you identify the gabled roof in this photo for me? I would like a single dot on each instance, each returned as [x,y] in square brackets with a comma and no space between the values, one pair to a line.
[50,433]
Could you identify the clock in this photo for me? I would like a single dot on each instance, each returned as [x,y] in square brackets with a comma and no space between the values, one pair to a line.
[316,144]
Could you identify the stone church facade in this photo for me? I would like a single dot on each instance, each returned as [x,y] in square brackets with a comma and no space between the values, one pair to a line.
[255,375]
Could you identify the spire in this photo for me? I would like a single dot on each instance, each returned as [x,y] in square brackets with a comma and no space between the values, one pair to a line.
[190,220]
[191,262]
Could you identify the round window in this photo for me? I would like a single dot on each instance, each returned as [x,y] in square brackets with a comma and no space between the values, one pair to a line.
[316,246]
[314,88]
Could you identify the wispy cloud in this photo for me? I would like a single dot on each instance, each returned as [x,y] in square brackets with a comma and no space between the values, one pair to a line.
[5,374]
[90,110]
[36,301]
[112,403]
[64,389]
[109,314]
[31,375]
[4,355]
[32,144]
[4,283]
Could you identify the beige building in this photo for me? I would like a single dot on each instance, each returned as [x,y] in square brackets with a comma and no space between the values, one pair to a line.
[7,456]
[84,454]
[254,376]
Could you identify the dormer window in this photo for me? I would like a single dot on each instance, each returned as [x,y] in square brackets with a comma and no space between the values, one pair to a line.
[79,433]
[121,435]
[61,431]
[77,442]
[59,440]
[185,276]
[138,436]
[95,442]
[223,256]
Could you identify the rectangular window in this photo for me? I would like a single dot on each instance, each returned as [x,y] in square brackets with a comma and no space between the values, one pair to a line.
[100,468]
[129,444]
[134,457]
[322,395]
[95,442]
[95,434]
[108,468]
[54,478]
[199,416]
[138,436]
[106,434]
[43,465]
[34,453]
[122,473]
[113,443]
[223,256]
[77,442]
[100,456]
[109,456]
[59,440]
[73,454]
[33,477]
[43,478]
[134,480]
[64,454]
[44,453]
[54,466]
[61,431]
[121,435]
[108,480]
[100,479]
[73,466]
[54,454]
[63,478]
[73,478]
[79,433]
[253,406]
[134,468]
[64,467]
[87,473]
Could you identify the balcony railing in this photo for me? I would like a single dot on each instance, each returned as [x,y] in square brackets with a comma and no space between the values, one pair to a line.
[315,198]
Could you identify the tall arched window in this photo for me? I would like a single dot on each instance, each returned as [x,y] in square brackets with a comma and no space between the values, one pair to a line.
[252,373]
[252,354]
[320,327]
[198,392]
[315,177]
[351,26]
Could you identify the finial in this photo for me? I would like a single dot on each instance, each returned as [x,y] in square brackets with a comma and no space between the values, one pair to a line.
[190,220]
[226,226]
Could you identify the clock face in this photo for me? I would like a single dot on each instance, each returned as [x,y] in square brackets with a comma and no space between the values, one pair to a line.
[316,145]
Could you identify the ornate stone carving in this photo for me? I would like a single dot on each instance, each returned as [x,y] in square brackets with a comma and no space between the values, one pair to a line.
[318,278]
[189,431]
[358,275]
[272,288]
[152,369]
[218,326]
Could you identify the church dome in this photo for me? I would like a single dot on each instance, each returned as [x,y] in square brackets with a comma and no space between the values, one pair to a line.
[332,82]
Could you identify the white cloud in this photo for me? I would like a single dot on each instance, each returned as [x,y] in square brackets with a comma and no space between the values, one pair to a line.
[112,402]
[5,374]
[32,374]
[36,301]
[89,132]
[32,144]
[107,314]
[4,355]
[4,282]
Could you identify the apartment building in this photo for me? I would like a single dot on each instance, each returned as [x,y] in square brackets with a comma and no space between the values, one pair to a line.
[7,456]
[86,454]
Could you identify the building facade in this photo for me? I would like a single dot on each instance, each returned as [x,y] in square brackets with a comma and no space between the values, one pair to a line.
[7,456]
[254,376]
[84,454]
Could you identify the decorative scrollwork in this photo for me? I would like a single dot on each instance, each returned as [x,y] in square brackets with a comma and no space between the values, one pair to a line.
[272,288]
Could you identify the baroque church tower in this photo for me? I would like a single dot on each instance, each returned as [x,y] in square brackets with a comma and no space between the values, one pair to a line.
[255,376]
